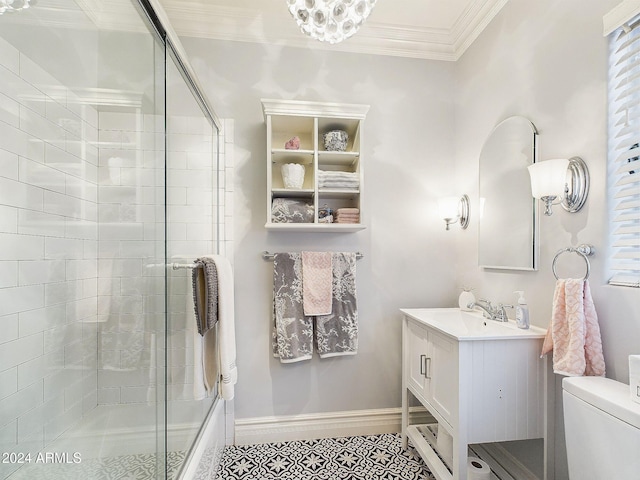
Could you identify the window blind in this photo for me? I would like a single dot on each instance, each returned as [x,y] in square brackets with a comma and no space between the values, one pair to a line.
[624,154]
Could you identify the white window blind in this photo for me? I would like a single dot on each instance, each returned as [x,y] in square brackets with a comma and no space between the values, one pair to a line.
[624,154]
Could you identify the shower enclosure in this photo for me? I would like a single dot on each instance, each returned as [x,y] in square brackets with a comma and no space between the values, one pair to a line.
[109,175]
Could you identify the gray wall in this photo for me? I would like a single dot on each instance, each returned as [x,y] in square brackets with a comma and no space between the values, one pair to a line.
[408,257]
[547,61]
[428,120]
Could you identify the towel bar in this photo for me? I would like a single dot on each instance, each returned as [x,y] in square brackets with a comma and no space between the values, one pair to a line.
[179,266]
[583,250]
[174,266]
[269,256]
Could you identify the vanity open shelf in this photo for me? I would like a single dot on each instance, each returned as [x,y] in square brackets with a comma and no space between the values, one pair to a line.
[482,381]
[308,121]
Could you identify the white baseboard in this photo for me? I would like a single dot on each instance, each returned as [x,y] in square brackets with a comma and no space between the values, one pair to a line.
[319,425]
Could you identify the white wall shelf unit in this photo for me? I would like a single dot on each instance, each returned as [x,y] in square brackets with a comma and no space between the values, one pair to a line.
[309,121]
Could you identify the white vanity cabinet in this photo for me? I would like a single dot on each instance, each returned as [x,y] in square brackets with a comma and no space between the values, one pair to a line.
[483,381]
[432,368]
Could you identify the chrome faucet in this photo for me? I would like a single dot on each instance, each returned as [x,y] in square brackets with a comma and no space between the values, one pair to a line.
[499,314]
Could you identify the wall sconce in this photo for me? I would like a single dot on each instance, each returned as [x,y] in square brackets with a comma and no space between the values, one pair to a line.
[453,209]
[565,179]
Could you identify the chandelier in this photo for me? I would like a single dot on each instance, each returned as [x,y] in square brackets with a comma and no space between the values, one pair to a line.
[329,20]
[13,5]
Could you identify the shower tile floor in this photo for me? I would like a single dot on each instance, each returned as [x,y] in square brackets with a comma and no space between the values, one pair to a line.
[125,467]
[375,457]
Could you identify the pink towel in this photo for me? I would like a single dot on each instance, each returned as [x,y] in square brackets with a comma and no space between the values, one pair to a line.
[348,210]
[317,281]
[574,333]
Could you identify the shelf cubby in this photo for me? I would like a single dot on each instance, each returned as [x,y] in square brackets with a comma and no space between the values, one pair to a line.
[309,121]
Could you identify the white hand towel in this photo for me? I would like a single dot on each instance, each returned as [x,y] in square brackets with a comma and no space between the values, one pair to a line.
[226,327]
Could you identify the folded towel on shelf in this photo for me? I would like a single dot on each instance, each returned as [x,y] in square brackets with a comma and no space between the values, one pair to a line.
[205,293]
[347,211]
[316,283]
[336,174]
[330,179]
[337,333]
[345,185]
[574,333]
[348,215]
[292,210]
[292,330]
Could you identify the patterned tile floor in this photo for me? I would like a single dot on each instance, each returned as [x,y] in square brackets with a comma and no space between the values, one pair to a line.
[376,457]
[125,467]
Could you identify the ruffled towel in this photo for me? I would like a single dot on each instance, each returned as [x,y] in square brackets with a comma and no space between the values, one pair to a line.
[574,333]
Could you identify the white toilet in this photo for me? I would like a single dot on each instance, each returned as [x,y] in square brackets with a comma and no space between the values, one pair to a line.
[602,429]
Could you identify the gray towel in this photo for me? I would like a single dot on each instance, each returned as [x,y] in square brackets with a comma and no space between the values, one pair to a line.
[292,210]
[205,293]
[292,331]
[337,333]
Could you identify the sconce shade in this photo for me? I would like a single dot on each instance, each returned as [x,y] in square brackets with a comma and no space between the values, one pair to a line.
[548,178]
[448,207]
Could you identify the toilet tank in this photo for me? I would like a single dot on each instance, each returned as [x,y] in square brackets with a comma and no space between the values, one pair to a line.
[602,429]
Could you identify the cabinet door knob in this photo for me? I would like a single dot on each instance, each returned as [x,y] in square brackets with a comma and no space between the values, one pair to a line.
[422,357]
[428,368]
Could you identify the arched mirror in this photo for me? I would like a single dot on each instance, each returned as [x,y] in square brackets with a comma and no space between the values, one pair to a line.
[508,233]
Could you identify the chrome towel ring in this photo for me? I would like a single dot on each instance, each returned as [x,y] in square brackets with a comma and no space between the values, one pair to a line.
[583,250]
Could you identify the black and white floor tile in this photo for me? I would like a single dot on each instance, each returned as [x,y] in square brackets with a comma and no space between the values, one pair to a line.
[376,457]
[125,467]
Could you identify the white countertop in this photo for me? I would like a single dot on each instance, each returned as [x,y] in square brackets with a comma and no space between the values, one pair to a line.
[465,326]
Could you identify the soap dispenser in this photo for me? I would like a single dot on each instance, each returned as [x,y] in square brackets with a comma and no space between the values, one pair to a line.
[522,311]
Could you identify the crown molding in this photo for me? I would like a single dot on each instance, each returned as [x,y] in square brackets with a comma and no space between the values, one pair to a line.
[228,23]
[472,22]
[190,19]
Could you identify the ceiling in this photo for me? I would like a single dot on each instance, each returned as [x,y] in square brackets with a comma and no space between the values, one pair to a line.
[428,29]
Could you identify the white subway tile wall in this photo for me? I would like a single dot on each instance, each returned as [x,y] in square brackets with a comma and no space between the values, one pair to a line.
[130,256]
[82,251]
[48,262]
[130,284]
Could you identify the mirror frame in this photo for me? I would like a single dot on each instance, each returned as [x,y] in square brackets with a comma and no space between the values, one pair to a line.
[535,247]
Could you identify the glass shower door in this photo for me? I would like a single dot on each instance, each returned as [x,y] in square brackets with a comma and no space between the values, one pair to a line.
[192,218]
[82,242]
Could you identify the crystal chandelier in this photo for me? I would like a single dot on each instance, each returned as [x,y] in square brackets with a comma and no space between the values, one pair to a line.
[330,20]
[13,5]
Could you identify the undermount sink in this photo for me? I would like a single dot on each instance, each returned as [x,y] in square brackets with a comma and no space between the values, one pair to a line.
[470,325]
